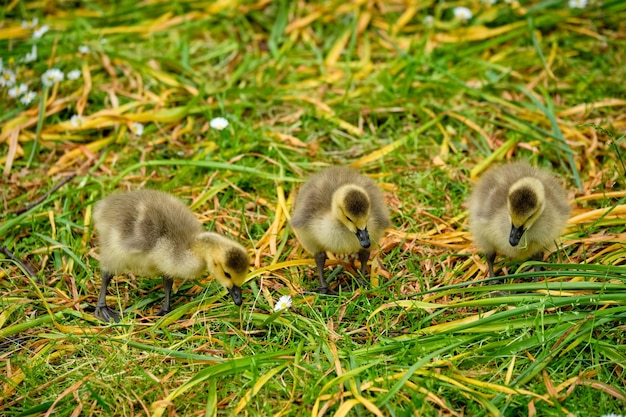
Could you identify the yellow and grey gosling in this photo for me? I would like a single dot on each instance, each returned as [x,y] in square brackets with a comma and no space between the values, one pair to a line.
[340,211]
[151,233]
[517,210]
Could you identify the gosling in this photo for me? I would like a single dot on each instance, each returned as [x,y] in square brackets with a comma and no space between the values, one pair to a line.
[517,203]
[151,233]
[341,211]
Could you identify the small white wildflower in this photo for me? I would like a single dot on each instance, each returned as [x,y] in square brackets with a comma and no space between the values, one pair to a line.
[17,91]
[103,41]
[489,2]
[76,120]
[32,55]
[7,78]
[462,13]
[30,24]
[283,303]
[28,97]
[41,31]
[52,76]
[13,92]
[73,75]
[219,123]
[577,4]
[137,128]
[83,49]
[428,21]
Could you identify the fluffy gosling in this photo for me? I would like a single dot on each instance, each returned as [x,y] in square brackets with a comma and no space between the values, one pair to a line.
[517,210]
[152,233]
[341,211]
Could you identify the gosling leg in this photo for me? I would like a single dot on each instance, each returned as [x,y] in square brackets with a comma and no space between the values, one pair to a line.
[103,312]
[167,286]
[491,257]
[320,260]
[364,256]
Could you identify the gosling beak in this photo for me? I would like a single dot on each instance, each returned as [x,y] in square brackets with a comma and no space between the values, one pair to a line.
[235,292]
[516,234]
[364,237]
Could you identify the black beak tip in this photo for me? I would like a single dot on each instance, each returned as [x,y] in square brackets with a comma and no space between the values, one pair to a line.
[364,238]
[516,235]
[235,292]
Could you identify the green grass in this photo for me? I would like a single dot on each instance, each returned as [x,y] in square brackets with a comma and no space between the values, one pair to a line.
[424,111]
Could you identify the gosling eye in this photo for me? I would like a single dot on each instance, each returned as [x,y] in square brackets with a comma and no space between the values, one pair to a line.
[227,274]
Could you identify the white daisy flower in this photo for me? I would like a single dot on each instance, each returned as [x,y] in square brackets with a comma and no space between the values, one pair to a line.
[52,76]
[30,24]
[17,91]
[462,13]
[41,31]
[7,78]
[83,49]
[577,4]
[283,303]
[219,123]
[32,55]
[28,97]
[137,128]
[76,120]
[74,74]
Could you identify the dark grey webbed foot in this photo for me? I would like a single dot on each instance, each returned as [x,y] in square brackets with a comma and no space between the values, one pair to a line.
[163,311]
[107,314]
[326,291]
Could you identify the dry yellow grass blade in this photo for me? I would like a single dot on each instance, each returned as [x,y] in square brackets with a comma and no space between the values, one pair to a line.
[350,128]
[601,196]
[337,49]
[370,406]
[81,103]
[587,107]
[319,105]
[13,147]
[167,79]
[471,124]
[476,33]
[407,305]
[345,408]
[263,379]
[405,18]
[497,154]
[451,325]
[14,32]
[378,154]
[70,157]
[303,21]
[616,212]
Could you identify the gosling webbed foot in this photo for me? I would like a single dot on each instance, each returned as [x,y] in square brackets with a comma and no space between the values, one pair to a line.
[363,282]
[163,311]
[107,314]
[326,291]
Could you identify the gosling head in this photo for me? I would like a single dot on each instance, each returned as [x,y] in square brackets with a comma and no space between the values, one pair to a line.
[351,207]
[227,261]
[526,201]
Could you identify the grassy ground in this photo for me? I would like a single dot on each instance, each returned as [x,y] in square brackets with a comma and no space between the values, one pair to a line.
[423,107]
